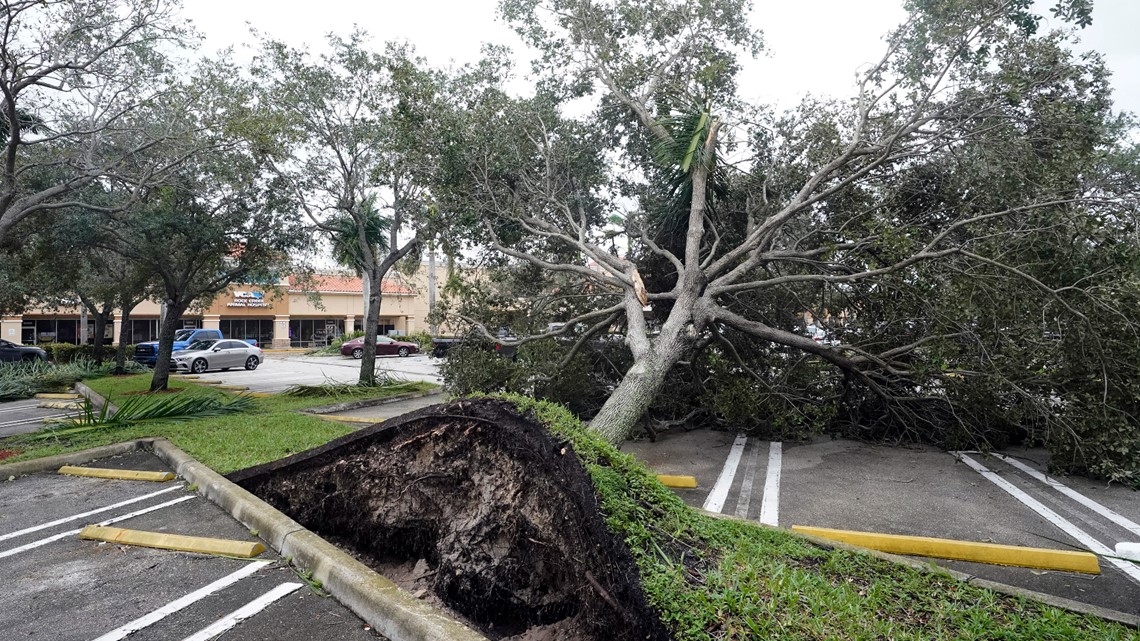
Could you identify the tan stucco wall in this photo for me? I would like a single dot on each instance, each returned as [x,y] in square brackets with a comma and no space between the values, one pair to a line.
[408,312]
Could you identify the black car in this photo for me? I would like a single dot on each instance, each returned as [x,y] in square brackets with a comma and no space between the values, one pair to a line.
[13,353]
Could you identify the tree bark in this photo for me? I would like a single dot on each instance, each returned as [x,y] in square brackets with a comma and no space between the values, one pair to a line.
[371,328]
[161,378]
[633,396]
[100,330]
[124,339]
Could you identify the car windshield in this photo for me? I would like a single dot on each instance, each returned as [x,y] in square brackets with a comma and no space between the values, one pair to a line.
[200,345]
[183,334]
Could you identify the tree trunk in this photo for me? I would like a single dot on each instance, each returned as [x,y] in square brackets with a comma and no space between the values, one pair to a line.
[371,328]
[100,330]
[124,339]
[161,378]
[633,396]
[367,282]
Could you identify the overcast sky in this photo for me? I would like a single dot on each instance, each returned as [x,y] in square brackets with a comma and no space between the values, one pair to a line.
[814,46]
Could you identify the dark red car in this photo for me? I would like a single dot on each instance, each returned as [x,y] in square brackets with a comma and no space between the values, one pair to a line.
[385,346]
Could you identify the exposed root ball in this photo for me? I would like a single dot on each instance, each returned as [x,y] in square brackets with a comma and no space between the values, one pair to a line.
[499,520]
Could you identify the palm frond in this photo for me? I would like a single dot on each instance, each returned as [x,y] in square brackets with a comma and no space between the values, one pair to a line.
[185,406]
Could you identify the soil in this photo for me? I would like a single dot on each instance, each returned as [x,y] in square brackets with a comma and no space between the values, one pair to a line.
[471,506]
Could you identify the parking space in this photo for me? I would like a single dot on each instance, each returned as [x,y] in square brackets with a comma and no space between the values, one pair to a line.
[283,370]
[916,491]
[61,587]
[23,417]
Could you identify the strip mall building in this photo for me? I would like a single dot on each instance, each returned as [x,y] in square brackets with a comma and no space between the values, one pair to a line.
[282,315]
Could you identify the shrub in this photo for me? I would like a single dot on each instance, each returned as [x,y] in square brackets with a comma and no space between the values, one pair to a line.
[67,353]
[421,338]
[24,380]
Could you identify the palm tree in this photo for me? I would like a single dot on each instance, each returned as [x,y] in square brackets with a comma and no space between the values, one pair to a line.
[346,249]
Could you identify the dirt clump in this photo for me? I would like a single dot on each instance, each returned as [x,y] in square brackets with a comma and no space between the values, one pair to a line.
[475,507]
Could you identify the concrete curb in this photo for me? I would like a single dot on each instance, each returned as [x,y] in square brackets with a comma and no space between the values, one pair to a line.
[97,401]
[53,463]
[1062,603]
[369,402]
[382,604]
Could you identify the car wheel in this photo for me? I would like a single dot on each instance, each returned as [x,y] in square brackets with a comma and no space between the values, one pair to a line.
[251,363]
[199,366]
[403,351]
[358,353]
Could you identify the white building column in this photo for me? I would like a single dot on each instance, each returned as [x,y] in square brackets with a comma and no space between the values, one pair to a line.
[10,328]
[281,331]
[350,323]
[117,329]
[212,321]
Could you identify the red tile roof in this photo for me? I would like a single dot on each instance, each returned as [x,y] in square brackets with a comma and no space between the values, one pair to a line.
[342,284]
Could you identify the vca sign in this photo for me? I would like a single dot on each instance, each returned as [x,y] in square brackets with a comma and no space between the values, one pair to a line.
[248,299]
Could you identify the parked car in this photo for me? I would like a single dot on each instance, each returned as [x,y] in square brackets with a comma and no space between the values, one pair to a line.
[441,346]
[147,353]
[214,354]
[13,353]
[385,346]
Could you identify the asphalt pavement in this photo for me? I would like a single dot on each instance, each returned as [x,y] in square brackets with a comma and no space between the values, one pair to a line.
[62,588]
[282,370]
[23,417]
[916,491]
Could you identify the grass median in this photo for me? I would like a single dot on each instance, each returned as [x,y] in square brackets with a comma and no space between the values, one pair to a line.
[272,430]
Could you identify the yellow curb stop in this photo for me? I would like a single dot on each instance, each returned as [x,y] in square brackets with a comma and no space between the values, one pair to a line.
[122,475]
[205,382]
[669,480]
[179,542]
[992,553]
[59,396]
[232,388]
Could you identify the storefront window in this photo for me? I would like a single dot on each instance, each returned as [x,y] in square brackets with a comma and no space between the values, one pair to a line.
[260,330]
[317,332]
[144,330]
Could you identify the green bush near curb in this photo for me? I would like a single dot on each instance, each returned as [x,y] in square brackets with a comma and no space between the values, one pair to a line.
[722,579]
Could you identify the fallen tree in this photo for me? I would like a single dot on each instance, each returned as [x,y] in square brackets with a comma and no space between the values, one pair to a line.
[963,185]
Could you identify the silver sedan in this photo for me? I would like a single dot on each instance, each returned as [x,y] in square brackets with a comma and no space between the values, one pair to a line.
[213,354]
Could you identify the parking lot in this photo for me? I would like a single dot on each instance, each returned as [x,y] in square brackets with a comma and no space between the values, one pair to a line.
[916,491]
[23,417]
[58,586]
[282,370]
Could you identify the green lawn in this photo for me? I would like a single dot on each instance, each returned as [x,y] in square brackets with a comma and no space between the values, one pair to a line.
[224,443]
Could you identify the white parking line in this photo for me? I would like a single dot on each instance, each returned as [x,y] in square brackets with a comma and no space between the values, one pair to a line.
[719,494]
[770,506]
[749,479]
[12,407]
[1082,537]
[34,419]
[1107,513]
[63,535]
[244,612]
[174,606]
[44,526]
